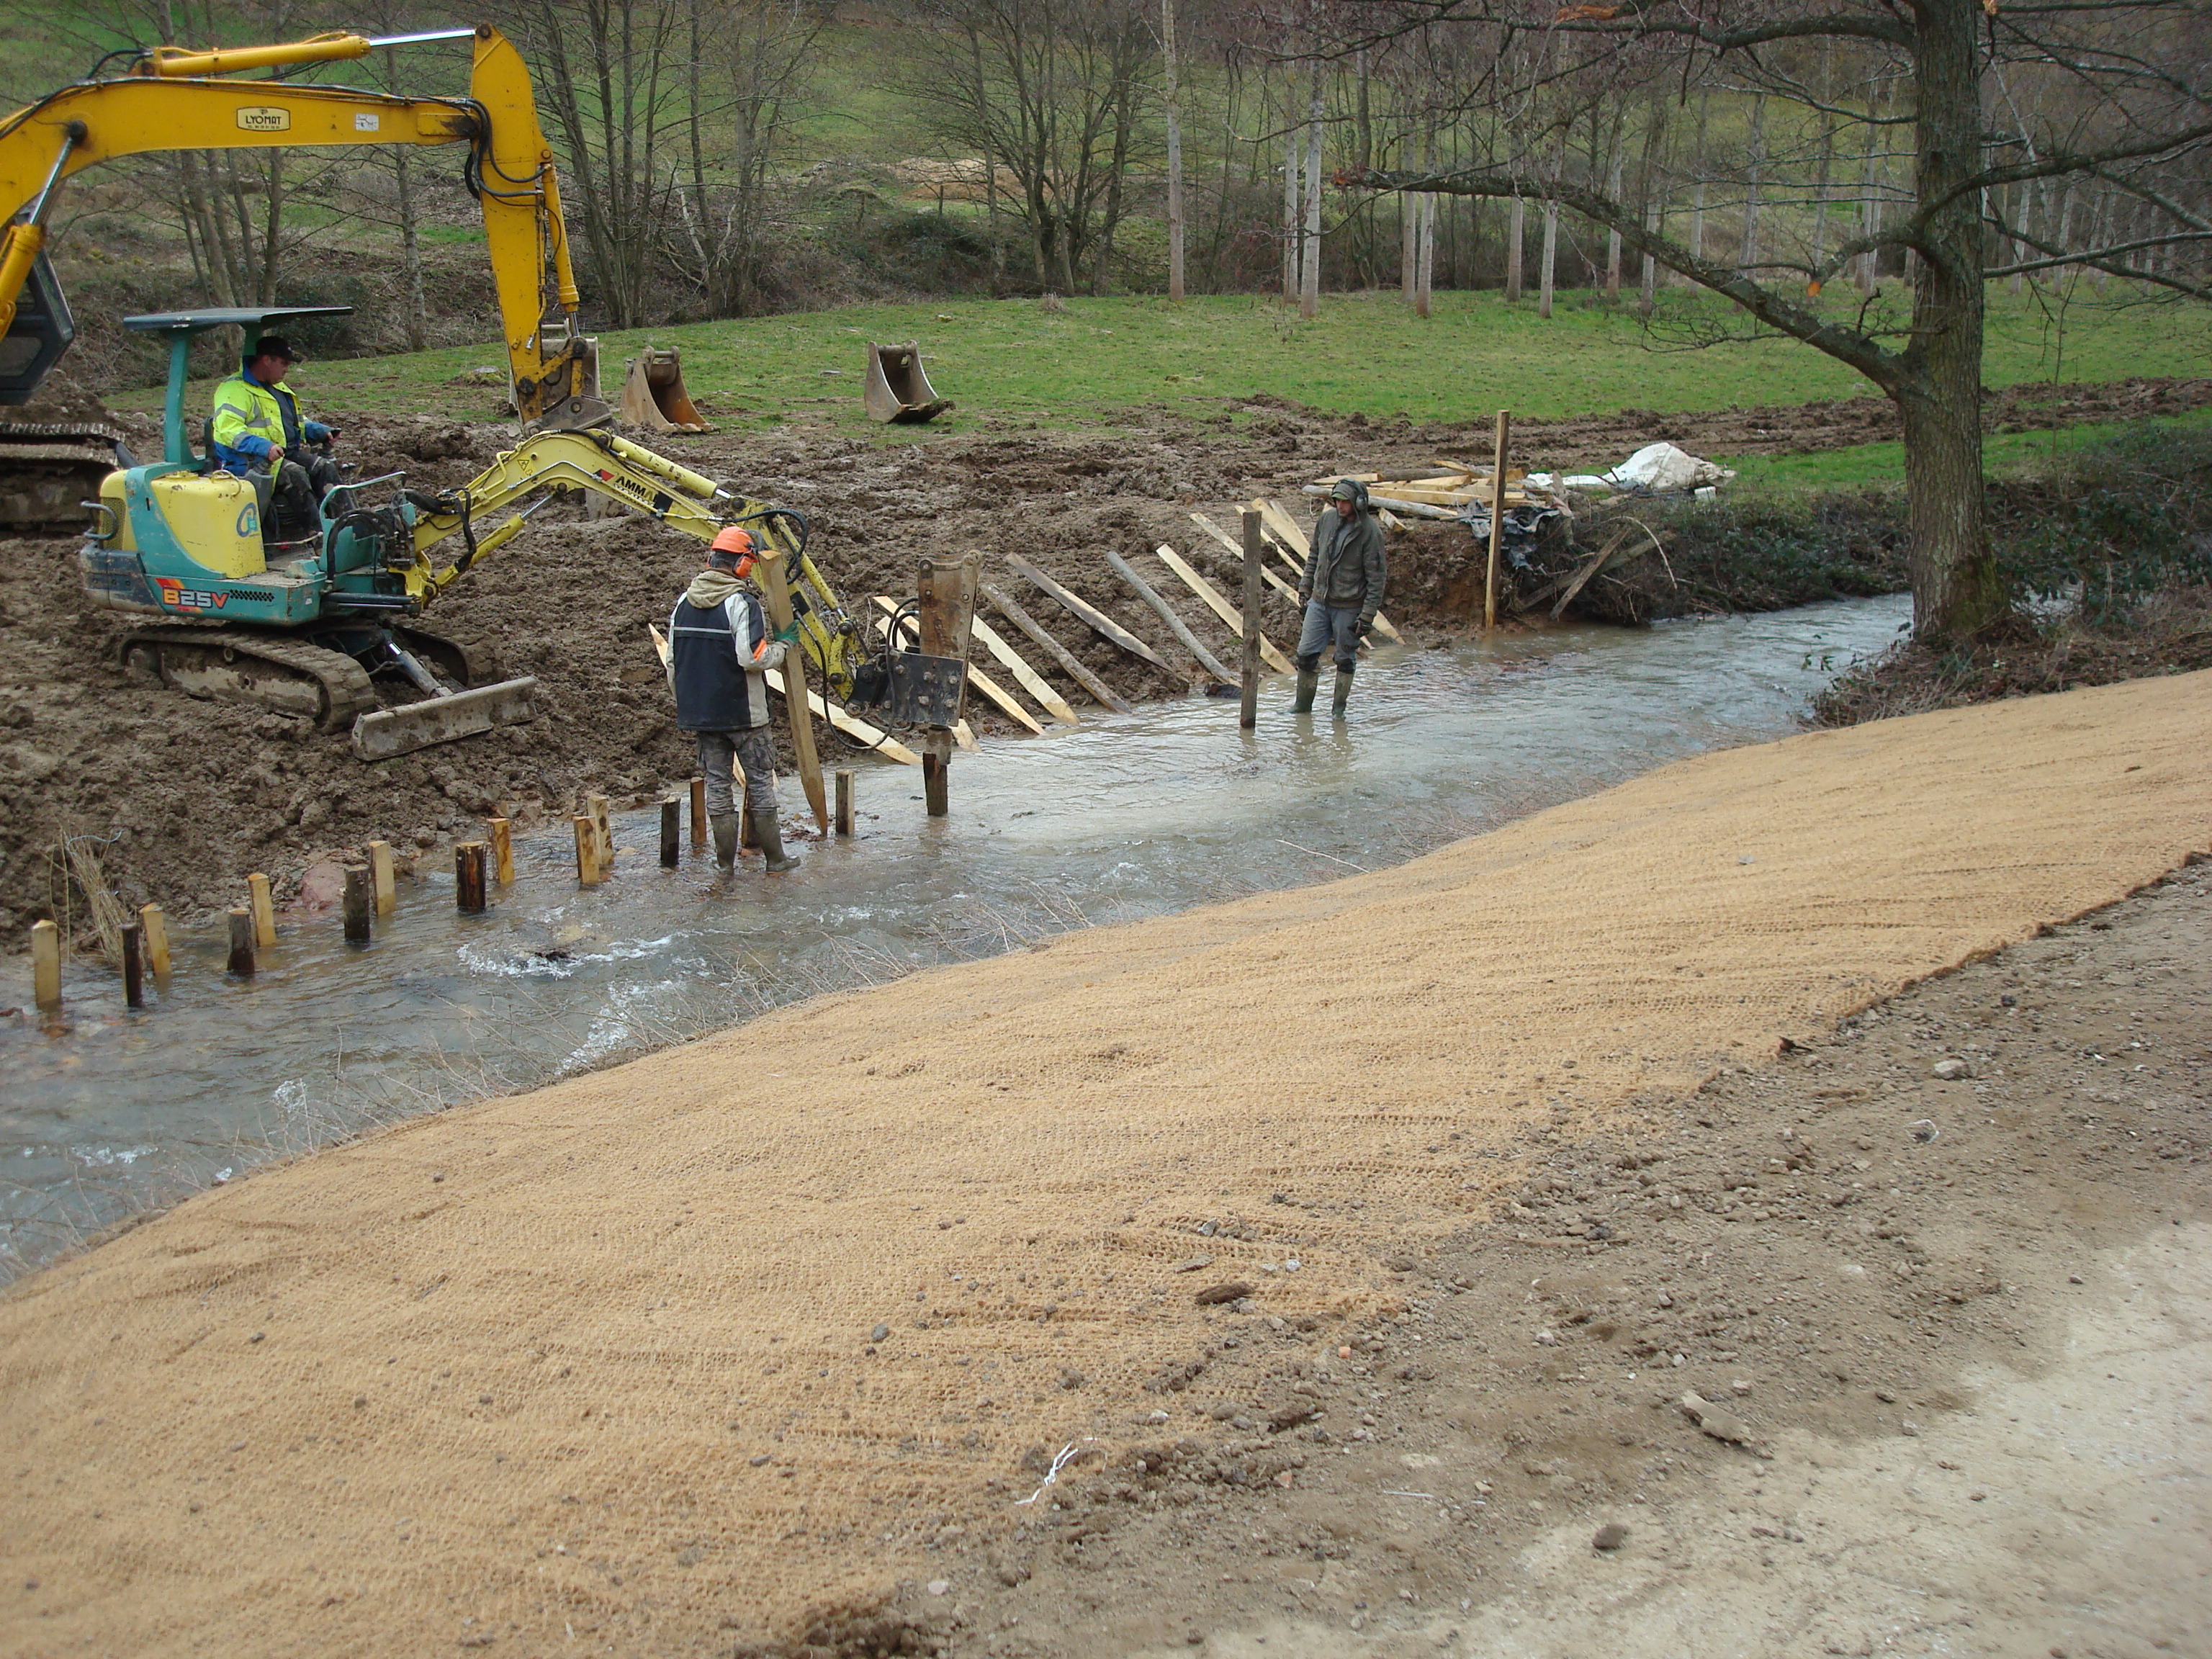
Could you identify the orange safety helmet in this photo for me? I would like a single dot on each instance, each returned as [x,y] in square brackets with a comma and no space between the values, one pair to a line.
[732,539]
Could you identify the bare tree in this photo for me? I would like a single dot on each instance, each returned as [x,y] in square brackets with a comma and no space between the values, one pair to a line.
[2136,113]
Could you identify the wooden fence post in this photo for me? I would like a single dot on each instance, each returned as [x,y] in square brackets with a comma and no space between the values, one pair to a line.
[503,852]
[1497,519]
[597,807]
[360,900]
[241,942]
[264,908]
[134,966]
[587,851]
[46,963]
[1248,714]
[672,831]
[698,811]
[381,885]
[844,800]
[469,877]
[157,942]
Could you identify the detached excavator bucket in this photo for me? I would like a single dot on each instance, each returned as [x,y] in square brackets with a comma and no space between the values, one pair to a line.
[401,730]
[653,395]
[898,390]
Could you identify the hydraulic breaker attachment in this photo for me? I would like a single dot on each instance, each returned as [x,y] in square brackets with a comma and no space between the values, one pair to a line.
[392,732]
[898,388]
[653,395]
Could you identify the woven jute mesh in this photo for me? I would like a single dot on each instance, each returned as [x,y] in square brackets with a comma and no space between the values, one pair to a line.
[599,1358]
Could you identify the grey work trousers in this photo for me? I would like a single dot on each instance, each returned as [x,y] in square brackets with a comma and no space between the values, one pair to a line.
[753,750]
[1326,623]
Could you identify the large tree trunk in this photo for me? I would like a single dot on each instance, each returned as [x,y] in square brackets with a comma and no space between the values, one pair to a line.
[1956,592]
[1543,276]
[1514,225]
[1174,150]
[1310,275]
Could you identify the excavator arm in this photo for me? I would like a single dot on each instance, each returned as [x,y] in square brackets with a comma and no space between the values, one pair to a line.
[175,100]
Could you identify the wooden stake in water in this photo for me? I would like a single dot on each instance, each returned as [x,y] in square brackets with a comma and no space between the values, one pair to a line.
[1497,519]
[264,908]
[241,943]
[503,852]
[1247,713]
[469,863]
[134,966]
[381,885]
[46,963]
[844,800]
[698,811]
[360,900]
[672,831]
[597,807]
[587,851]
[156,937]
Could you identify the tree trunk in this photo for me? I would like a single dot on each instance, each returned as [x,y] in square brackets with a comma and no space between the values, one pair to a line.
[1174,152]
[1425,262]
[1755,160]
[1290,192]
[1515,224]
[1409,237]
[1956,591]
[1550,260]
[1613,238]
[1310,275]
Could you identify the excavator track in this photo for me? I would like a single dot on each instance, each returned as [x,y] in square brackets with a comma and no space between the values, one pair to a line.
[270,670]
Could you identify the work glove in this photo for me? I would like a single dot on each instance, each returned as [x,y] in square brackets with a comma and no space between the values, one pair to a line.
[788,634]
[317,433]
[1366,626]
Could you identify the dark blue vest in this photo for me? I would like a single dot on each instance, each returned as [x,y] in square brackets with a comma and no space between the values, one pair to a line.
[714,688]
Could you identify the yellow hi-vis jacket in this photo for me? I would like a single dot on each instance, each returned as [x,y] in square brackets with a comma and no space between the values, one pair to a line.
[252,419]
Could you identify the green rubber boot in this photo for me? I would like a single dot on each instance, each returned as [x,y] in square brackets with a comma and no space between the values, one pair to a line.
[1342,694]
[768,835]
[1309,682]
[724,826]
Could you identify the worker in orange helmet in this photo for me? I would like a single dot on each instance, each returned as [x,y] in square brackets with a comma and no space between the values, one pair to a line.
[720,651]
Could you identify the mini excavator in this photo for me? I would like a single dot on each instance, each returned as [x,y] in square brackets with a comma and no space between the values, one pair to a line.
[307,620]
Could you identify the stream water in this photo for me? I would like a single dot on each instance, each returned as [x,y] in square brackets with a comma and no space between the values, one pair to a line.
[106,1112]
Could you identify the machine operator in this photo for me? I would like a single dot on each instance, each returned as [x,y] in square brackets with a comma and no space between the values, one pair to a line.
[259,431]
[720,651]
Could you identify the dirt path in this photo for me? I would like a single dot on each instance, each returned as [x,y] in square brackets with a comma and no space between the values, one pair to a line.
[715,1347]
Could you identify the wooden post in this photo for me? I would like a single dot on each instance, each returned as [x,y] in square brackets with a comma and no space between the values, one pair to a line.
[587,851]
[1247,713]
[768,572]
[503,852]
[46,963]
[469,877]
[134,966]
[157,942]
[379,876]
[265,910]
[672,831]
[241,943]
[698,811]
[1208,662]
[946,621]
[844,800]
[604,828]
[1497,519]
[360,900]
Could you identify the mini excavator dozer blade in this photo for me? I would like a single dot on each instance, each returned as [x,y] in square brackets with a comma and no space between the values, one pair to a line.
[434,720]
[653,396]
[898,388]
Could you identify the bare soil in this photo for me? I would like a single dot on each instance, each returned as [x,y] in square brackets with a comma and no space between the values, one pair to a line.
[184,797]
[1949,1331]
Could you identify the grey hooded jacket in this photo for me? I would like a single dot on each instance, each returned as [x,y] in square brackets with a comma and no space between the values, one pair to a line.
[1348,569]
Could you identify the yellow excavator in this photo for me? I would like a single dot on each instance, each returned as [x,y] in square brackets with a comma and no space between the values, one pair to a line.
[309,623]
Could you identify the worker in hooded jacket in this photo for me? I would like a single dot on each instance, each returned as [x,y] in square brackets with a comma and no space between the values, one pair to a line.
[720,651]
[1340,591]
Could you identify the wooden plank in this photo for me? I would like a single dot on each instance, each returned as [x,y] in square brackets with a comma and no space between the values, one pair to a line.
[1221,607]
[1285,526]
[775,595]
[976,677]
[854,727]
[1280,527]
[1206,660]
[1031,682]
[1060,654]
[1088,614]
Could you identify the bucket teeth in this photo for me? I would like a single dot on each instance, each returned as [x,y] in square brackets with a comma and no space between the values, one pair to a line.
[422,725]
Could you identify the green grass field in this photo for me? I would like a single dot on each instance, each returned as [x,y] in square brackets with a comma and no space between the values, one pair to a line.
[1097,361]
